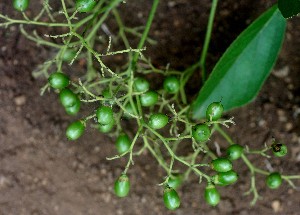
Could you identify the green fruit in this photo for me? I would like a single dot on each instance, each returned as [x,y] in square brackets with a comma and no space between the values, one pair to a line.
[123,143]
[105,115]
[84,6]
[201,132]
[149,98]
[225,178]
[106,128]
[141,84]
[221,165]
[171,198]
[129,110]
[171,84]
[68,55]
[211,195]
[158,121]
[274,180]
[175,181]
[214,111]
[58,80]
[279,150]
[20,5]
[73,110]
[234,151]
[122,186]
[68,98]
[106,94]
[75,130]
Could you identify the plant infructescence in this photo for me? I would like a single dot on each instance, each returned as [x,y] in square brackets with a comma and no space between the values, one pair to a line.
[163,116]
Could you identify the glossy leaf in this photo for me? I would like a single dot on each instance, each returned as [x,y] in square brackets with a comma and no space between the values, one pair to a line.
[243,68]
[289,8]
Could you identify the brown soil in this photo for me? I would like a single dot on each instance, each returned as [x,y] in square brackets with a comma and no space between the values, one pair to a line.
[42,173]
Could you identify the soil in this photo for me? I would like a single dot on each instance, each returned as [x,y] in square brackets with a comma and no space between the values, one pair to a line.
[41,173]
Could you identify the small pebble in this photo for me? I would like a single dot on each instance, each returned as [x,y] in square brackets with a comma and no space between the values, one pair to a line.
[276,205]
[20,100]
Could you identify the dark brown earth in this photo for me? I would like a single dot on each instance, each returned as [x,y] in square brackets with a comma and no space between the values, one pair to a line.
[42,173]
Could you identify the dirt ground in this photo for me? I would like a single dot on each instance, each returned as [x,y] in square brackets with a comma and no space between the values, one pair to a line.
[41,173]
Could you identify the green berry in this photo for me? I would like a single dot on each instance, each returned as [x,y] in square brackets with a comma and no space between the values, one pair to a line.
[105,115]
[201,132]
[20,5]
[141,84]
[73,110]
[274,180]
[123,143]
[106,128]
[171,84]
[214,111]
[225,178]
[58,80]
[149,98]
[211,195]
[129,110]
[84,6]
[68,98]
[234,151]
[279,150]
[75,130]
[221,165]
[158,121]
[106,94]
[68,55]
[122,186]
[171,198]
[175,181]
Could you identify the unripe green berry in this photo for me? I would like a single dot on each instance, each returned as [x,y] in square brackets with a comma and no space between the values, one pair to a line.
[141,84]
[221,165]
[75,130]
[234,151]
[175,181]
[122,186]
[105,115]
[279,150]
[58,80]
[171,84]
[201,132]
[20,5]
[211,195]
[225,178]
[171,198]
[123,143]
[214,111]
[68,55]
[84,6]
[149,98]
[274,180]
[158,120]
[106,128]
[68,98]
[73,110]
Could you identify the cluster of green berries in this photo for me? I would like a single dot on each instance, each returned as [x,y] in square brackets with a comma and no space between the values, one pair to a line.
[274,179]
[149,98]
[201,132]
[224,176]
[69,101]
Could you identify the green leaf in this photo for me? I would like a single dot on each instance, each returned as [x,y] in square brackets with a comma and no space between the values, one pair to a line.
[243,68]
[289,8]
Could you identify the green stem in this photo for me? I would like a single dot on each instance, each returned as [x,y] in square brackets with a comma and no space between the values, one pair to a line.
[145,33]
[207,39]
[172,154]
